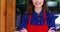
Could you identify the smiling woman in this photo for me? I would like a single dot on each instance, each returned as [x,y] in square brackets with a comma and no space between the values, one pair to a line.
[36,18]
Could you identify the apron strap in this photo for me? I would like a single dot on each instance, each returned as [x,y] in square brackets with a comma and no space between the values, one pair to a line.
[30,19]
[45,22]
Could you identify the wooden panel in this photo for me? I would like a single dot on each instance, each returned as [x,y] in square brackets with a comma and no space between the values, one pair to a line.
[2,15]
[10,17]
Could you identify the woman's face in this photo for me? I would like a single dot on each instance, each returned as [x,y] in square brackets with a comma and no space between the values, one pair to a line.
[38,3]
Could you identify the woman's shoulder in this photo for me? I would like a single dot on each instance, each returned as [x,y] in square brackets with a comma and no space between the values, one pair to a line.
[50,15]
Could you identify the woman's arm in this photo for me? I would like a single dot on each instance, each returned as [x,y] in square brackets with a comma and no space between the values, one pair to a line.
[52,26]
[23,22]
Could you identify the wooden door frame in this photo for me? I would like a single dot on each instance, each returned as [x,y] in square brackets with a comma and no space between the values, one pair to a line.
[10,15]
[7,15]
[2,15]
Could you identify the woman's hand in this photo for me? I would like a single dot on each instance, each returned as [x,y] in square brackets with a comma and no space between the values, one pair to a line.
[51,29]
[23,30]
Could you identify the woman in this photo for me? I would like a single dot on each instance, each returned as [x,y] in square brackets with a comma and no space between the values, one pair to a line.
[36,18]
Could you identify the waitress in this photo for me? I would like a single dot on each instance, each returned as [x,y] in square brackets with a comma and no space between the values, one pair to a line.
[36,18]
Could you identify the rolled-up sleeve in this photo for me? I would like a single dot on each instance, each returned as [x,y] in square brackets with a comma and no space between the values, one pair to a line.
[52,22]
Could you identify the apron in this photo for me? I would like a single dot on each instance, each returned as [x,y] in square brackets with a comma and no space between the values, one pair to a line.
[37,28]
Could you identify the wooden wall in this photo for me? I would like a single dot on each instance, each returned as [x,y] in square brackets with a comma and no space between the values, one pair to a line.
[2,15]
[10,17]
[7,15]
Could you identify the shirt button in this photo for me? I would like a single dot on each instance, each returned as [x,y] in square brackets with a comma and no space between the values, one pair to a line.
[38,17]
[38,23]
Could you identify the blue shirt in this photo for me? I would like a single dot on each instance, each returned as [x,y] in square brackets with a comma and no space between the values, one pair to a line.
[38,19]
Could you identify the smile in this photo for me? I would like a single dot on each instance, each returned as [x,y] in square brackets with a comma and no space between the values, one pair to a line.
[37,3]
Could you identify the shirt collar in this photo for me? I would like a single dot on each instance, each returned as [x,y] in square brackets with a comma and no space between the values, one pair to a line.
[40,14]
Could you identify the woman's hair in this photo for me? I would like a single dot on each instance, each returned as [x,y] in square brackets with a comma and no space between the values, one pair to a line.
[30,6]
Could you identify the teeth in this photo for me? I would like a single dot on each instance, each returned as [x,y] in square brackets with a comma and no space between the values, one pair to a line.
[37,3]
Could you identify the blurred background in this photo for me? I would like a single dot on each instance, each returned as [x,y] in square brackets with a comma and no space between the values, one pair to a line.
[53,6]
